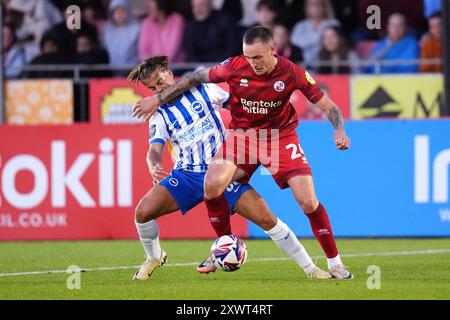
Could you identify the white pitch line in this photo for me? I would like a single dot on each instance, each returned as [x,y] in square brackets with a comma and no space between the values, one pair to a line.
[190,264]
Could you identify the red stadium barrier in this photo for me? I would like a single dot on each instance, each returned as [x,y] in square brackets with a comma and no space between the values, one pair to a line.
[83,182]
[337,88]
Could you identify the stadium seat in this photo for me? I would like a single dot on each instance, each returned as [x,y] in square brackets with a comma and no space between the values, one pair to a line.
[364,48]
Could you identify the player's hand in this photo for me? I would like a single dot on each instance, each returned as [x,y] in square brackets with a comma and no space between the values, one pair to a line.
[341,140]
[158,174]
[146,108]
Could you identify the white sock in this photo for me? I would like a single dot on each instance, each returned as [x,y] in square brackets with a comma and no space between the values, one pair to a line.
[149,235]
[286,240]
[334,262]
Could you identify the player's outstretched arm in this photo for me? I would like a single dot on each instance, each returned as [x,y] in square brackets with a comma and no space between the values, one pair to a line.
[337,120]
[148,106]
[154,160]
[183,85]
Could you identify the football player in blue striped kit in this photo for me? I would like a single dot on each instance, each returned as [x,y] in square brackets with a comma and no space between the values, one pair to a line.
[192,128]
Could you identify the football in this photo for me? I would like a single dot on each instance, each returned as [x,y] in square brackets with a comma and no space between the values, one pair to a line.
[229,253]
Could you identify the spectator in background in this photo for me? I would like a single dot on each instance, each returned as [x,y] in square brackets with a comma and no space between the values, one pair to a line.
[346,15]
[244,12]
[121,29]
[335,50]
[32,18]
[88,51]
[68,37]
[4,4]
[413,11]
[293,12]
[431,45]
[430,7]
[266,13]
[91,12]
[284,47]
[184,8]
[13,54]
[396,46]
[248,13]
[139,9]
[51,54]
[212,36]
[232,8]
[162,32]
[307,34]
[344,12]
[105,4]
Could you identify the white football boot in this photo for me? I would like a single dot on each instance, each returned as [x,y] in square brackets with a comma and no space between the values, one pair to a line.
[149,266]
[206,266]
[319,274]
[340,272]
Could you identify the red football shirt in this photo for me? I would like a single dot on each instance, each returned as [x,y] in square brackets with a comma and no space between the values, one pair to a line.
[262,102]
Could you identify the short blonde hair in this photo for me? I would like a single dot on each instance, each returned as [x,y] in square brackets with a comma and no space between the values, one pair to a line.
[327,8]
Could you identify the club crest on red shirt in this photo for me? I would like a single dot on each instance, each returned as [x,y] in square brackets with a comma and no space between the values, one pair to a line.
[279,86]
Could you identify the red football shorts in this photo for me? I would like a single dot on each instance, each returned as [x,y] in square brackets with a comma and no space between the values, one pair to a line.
[281,154]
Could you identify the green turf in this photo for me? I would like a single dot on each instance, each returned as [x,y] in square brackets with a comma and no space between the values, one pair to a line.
[419,276]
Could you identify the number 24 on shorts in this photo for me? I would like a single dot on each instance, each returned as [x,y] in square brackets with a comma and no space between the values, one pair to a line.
[297,152]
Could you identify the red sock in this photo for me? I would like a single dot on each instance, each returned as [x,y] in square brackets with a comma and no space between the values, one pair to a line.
[219,215]
[321,227]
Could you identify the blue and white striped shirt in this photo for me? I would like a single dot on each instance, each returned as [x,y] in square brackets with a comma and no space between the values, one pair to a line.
[192,126]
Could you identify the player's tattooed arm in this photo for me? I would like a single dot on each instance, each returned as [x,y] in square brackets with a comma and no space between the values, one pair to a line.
[340,136]
[183,85]
[148,106]
[336,117]
[337,120]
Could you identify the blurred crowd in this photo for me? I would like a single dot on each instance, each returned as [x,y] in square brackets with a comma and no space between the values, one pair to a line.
[123,32]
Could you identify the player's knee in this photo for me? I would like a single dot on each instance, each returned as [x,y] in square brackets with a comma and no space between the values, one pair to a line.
[214,186]
[309,205]
[268,221]
[141,214]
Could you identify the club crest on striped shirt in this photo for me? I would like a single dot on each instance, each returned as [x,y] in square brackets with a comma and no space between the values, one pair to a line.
[197,107]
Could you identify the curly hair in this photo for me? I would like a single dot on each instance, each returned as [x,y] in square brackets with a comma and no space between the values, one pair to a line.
[147,67]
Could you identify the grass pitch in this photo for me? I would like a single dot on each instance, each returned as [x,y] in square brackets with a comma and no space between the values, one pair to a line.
[410,269]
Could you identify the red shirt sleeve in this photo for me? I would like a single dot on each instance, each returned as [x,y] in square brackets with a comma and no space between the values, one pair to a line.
[221,72]
[307,85]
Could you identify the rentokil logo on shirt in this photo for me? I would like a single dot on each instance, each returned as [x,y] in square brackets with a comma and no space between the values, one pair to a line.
[260,107]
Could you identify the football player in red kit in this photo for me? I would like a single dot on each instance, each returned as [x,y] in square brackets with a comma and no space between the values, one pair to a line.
[261,85]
